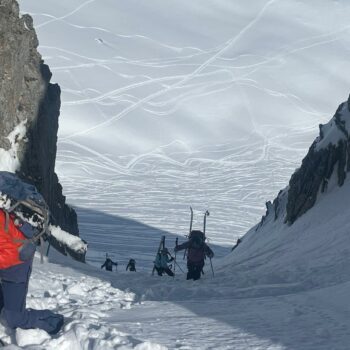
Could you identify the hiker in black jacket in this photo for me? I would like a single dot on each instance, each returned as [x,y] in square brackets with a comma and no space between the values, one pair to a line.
[131,265]
[108,264]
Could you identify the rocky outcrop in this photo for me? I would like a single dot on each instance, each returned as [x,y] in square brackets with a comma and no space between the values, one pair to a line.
[276,209]
[327,161]
[326,158]
[28,100]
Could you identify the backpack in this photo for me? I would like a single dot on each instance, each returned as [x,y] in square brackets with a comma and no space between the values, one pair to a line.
[197,239]
[24,218]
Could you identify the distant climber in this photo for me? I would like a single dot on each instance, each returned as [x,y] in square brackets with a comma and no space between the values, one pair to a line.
[161,263]
[108,264]
[131,265]
[239,240]
[197,250]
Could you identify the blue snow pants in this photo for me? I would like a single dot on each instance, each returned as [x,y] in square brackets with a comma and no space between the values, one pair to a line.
[13,294]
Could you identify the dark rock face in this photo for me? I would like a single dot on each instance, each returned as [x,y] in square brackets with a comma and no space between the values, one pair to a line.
[28,98]
[316,170]
[275,209]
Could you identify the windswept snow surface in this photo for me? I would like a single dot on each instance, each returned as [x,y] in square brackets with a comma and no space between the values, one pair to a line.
[167,104]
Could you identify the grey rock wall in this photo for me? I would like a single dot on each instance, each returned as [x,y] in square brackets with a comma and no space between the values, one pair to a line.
[316,170]
[314,175]
[26,96]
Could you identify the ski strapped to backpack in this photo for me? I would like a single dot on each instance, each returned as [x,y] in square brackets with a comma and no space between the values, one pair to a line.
[191,222]
[176,244]
[161,246]
[205,221]
[204,228]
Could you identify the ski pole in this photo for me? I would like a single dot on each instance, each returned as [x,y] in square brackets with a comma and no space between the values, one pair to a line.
[177,264]
[179,267]
[212,269]
[176,243]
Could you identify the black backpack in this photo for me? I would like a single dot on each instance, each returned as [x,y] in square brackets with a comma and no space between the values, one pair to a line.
[197,239]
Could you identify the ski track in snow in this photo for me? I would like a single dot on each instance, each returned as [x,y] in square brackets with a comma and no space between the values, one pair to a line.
[182,81]
[54,19]
[220,175]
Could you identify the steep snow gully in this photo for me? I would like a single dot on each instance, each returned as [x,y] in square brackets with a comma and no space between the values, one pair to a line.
[284,287]
[156,117]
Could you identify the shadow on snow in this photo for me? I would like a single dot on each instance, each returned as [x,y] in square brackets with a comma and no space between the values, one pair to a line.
[268,320]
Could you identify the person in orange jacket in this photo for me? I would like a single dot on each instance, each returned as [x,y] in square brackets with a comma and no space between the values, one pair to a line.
[16,258]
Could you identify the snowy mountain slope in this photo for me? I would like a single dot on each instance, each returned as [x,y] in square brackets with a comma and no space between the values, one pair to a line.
[313,252]
[315,244]
[171,104]
[284,287]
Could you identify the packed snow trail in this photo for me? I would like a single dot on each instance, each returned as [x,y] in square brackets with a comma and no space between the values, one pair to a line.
[109,310]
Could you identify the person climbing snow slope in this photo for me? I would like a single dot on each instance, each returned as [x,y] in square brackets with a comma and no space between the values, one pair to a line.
[197,250]
[161,263]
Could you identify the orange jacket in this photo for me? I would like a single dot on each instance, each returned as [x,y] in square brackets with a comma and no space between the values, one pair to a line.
[9,243]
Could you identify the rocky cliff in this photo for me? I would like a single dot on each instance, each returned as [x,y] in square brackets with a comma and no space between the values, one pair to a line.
[29,111]
[326,164]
